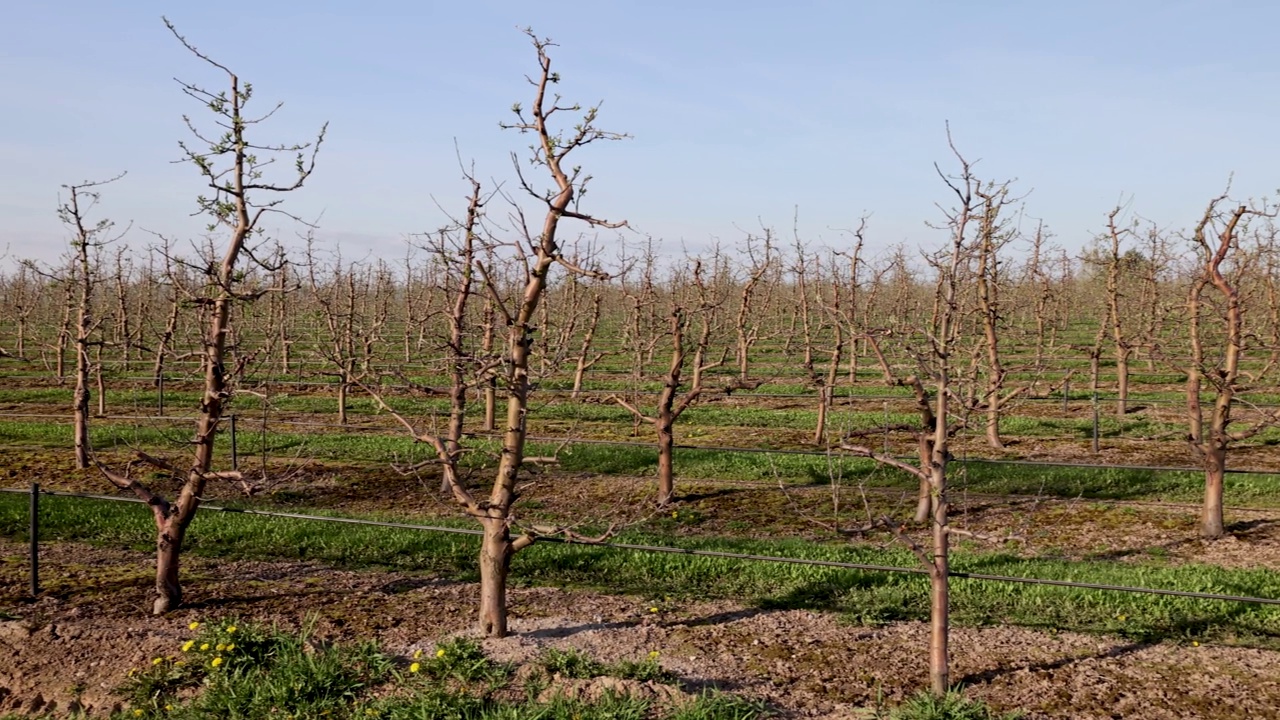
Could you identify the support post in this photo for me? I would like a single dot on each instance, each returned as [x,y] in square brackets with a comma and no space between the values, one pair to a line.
[1095,423]
[35,539]
[235,455]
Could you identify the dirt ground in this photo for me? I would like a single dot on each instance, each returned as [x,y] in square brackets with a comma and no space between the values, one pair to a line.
[73,651]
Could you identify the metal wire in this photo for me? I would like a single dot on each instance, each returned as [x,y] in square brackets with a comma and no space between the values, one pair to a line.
[717,553]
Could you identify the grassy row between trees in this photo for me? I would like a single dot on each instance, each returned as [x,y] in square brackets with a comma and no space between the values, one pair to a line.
[1103,483]
[668,580]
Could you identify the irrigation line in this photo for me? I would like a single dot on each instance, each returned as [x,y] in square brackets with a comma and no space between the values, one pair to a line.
[716,553]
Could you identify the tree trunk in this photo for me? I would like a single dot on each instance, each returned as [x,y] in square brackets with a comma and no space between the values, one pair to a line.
[666,467]
[924,499]
[824,402]
[168,549]
[993,422]
[1122,382]
[495,561]
[342,401]
[1211,525]
[82,411]
[940,588]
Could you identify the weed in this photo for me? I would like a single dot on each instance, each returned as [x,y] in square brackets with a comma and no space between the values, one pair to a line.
[952,706]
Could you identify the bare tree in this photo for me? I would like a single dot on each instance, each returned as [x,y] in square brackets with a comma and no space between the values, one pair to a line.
[1217,238]
[941,340]
[539,253]
[671,402]
[234,168]
[22,296]
[992,236]
[1116,326]
[87,241]
[759,252]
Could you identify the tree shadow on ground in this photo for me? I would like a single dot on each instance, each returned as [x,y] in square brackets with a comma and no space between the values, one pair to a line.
[1117,651]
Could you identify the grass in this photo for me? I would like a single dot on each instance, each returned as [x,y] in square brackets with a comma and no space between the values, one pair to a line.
[951,706]
[1103,483]
[864,597]
[229,669]
[573,663]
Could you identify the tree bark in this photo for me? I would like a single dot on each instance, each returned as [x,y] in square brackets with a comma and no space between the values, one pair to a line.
[1211,520]
[495,562]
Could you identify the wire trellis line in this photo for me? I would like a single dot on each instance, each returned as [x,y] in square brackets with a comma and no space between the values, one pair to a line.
[35,491]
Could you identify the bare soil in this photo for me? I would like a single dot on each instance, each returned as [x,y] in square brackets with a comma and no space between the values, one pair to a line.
[72,649]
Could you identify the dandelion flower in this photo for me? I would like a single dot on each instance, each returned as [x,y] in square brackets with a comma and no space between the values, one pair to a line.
[193,626]
[137,712]
[1122,618]
[186,646]
[1195,643]
[231,630]
[415,667]
[220,647]
[167,708]
[653,654]
[440,653]
[180,663]
[653,609]
[156,661]
[204,647]
[216,662]
[231,646]
[675,514]
[417,653]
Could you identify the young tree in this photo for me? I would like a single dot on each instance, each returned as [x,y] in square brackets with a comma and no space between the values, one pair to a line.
[992,236]
[759,252]
[1217,238]
[538,253]
[941,339]
[86,242]
[234,167]
[671,403]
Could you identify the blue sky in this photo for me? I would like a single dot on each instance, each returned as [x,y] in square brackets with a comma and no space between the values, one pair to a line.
[740,111]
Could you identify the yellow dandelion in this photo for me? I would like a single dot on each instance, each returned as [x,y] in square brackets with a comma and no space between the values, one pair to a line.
[675,514]
[231,630]
[417,653]
[193,626]
[156,661]
[440,653]
[167,708]
[180,663]
[231,646]
[186,646]
[137,712]
[653,609]
[1122,618]
[415,667]
[220,647]
[204,647]
[653,654]
[216,662]
[1195,644]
